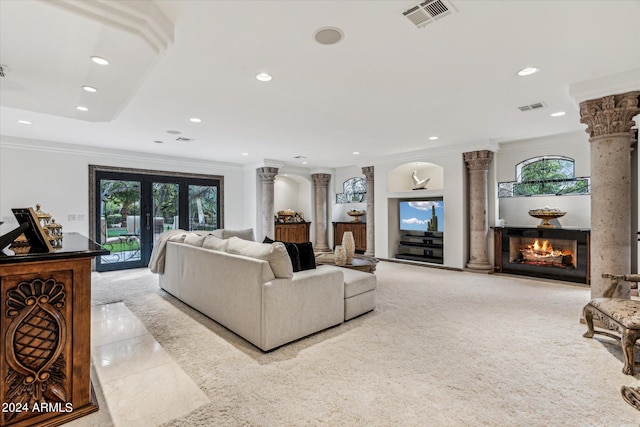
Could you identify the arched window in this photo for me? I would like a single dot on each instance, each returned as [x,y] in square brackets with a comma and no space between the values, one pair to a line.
[545,175]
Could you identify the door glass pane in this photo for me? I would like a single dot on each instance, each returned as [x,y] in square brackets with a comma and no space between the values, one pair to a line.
[165,207]
[120,220]
[203,207]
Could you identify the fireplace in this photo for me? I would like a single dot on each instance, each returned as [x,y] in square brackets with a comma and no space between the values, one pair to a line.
[561,254]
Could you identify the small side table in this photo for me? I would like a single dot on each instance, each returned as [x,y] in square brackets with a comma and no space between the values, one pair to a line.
[361,263]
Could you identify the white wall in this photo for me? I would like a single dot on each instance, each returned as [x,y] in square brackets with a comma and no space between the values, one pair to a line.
[514,210]
[56,176]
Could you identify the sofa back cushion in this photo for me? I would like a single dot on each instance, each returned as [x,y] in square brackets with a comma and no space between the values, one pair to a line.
[225,233]
[215,243]
[194,239]
[275,253]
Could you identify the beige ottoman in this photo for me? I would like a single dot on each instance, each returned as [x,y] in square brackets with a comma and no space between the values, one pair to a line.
[359,293]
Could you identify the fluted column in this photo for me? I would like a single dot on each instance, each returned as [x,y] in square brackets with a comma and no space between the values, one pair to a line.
[371,233]
[320,182]
[478,165]
[267,178]
[609,122]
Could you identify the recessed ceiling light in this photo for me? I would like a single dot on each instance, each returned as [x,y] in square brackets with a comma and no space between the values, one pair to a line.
[90,89]
[195,120]
[304,163]
[558,114]
[527,71]
[356,152]
[99,60]
[159,142]
[81,108]
[245,154]
[25,122]
[433,138]
[264,77]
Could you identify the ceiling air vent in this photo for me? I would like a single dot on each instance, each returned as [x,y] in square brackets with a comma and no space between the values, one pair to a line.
[183,139]
[428,12]
[530,107]
[2,70]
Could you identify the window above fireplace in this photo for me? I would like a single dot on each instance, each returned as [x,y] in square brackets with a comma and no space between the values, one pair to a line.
[545,176]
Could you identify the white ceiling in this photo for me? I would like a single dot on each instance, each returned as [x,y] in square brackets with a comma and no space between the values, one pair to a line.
[383,90]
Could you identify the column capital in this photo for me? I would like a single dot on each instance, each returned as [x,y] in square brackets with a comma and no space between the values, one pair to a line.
[321,179]
[478,160]
[611,114]
[267,174]
[367,171]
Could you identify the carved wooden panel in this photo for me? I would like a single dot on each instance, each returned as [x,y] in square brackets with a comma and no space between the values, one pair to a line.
[46,342]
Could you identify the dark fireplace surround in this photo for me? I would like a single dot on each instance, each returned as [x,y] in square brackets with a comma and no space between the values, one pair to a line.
[550,253]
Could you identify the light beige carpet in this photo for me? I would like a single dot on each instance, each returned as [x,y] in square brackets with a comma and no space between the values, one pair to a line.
[442,348]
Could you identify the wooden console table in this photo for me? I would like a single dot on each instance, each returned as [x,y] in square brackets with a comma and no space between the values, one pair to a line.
[295,232]
[46,335]
[359,230]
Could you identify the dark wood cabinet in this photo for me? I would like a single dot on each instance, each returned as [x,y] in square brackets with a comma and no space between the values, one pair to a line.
[46,335]
[359,230]
[296,232]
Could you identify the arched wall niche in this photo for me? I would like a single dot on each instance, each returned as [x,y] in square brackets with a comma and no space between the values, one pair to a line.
[399,179]
[292,191]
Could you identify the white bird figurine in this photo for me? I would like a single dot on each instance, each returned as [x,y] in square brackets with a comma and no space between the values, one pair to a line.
[419,184]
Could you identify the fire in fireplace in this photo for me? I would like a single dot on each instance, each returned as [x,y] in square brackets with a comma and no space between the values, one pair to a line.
[559,253]
[552,253]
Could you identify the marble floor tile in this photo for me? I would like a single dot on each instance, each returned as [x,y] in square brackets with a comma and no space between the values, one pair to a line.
[100,313]
[137,382]
[117,329]
[153,396]
[122,358]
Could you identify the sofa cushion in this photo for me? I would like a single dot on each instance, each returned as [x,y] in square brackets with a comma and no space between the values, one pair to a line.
[307,257]
[275,253]
[292,250]
[215,243]
[178,238]
[225,233]
[194,239]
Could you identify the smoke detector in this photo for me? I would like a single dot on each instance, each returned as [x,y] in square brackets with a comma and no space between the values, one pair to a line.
[429,11]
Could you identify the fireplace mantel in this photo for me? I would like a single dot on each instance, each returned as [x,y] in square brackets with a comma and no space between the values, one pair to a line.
[573,242]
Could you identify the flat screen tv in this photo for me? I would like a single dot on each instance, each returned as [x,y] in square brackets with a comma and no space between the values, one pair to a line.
[422,215]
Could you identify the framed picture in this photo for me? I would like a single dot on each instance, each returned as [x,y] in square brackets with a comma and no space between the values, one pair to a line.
[35,234]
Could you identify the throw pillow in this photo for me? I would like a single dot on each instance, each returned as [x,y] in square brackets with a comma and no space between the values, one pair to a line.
[178,238]
[292,250]
[275,253]
[194,239]
[307,257]
[215,243]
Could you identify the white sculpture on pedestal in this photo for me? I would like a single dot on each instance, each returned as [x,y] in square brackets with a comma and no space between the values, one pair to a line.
[419,184]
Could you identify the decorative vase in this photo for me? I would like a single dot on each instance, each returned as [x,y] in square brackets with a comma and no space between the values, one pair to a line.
[349,245]
[340,255]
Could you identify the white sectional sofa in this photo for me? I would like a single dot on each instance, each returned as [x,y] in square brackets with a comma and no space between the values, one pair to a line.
[242,294]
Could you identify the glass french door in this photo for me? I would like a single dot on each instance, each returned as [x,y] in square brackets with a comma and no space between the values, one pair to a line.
[132,210]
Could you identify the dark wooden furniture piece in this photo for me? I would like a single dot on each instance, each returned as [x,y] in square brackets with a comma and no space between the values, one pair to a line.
[46,334]
[295,232]
[359,230]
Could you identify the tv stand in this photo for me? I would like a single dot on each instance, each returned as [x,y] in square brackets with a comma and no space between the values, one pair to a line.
[425,246]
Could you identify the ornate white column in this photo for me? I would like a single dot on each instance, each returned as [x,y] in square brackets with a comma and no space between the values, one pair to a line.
[267,178]
[321,181]
[371,234]
[609,122]
[478,165]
